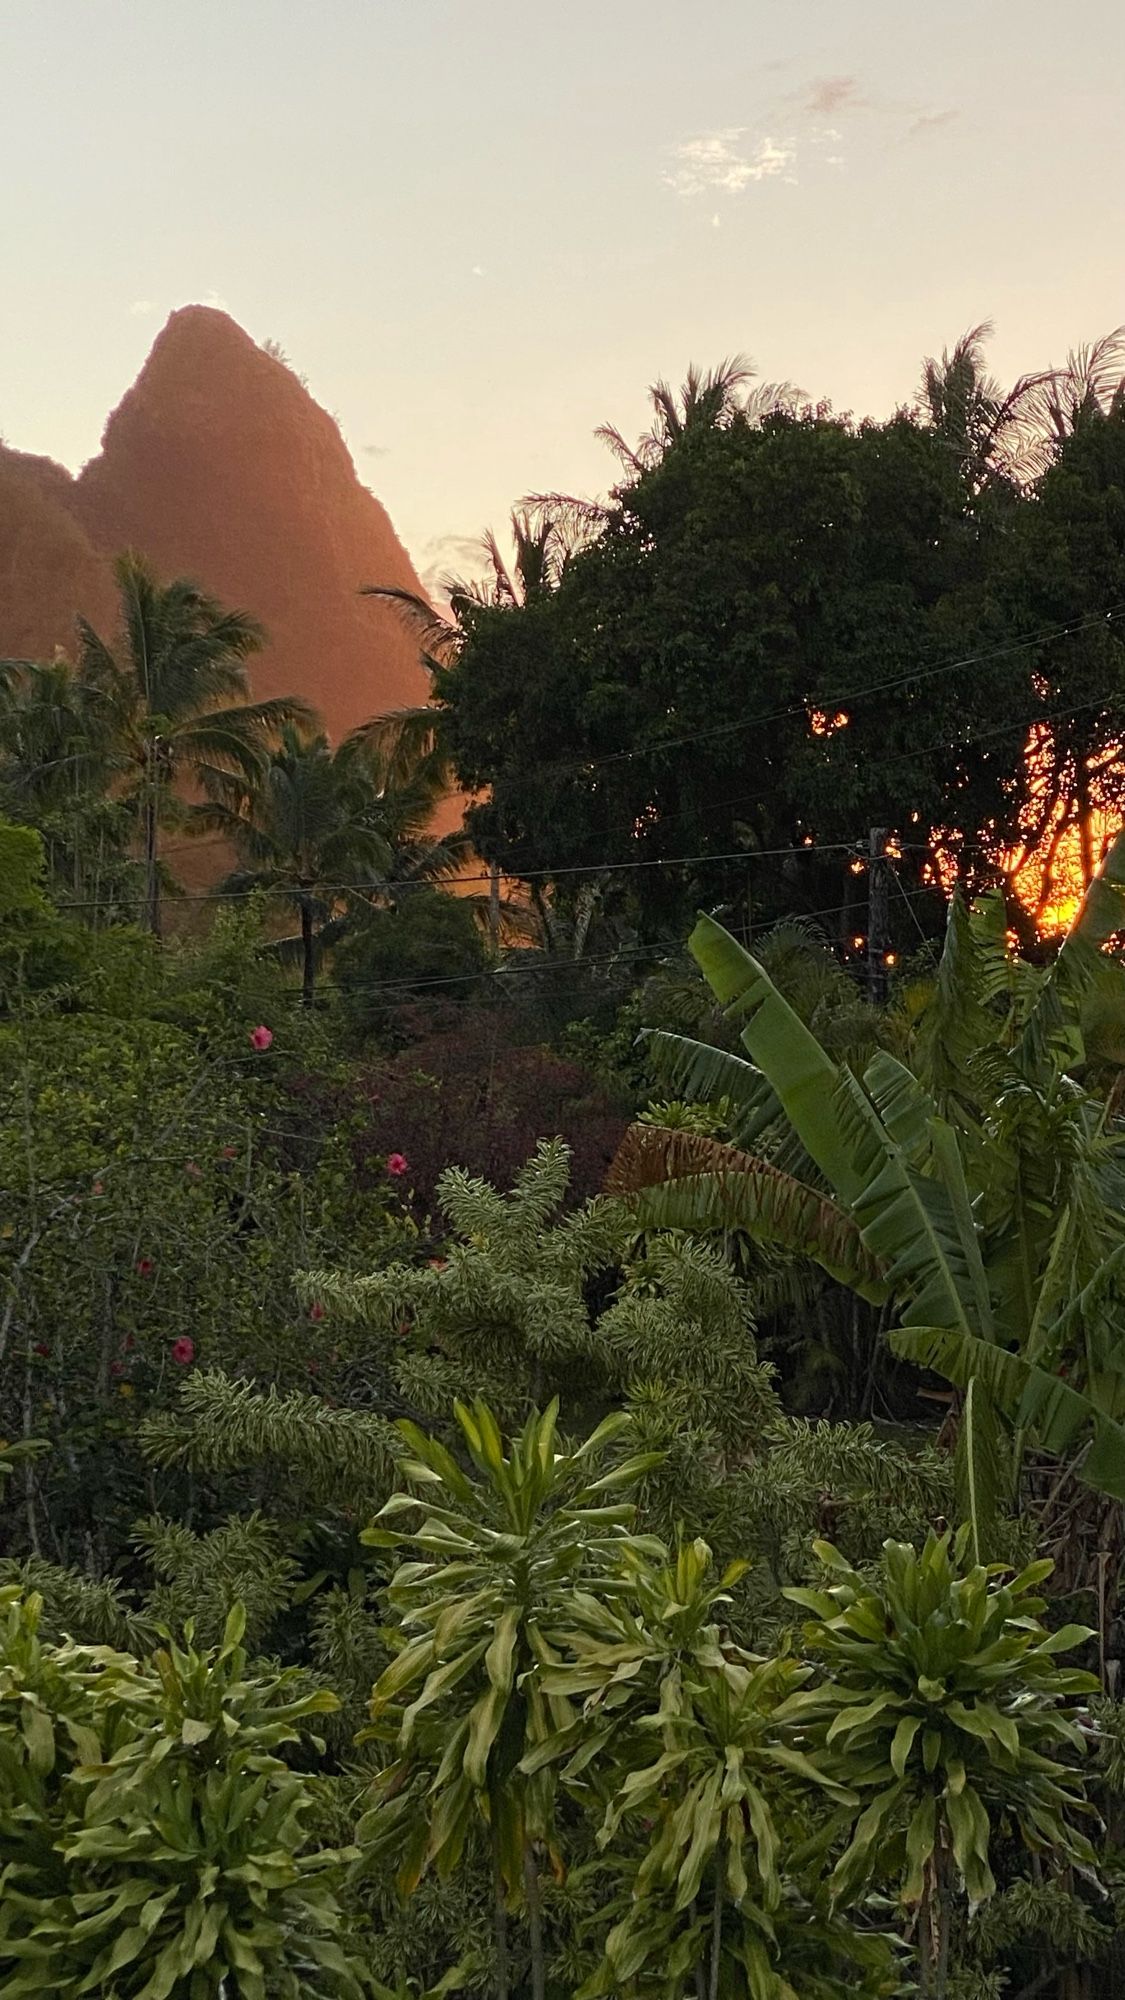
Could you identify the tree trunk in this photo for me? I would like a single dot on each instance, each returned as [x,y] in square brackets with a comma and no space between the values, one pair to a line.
[1085,823]
[934,1922]
[717,1919]
[499,1924]
[308,955]
[699,1976]
[152,872]
[534,1923]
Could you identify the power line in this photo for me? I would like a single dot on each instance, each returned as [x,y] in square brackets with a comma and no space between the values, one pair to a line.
[531,875]
[518,967]
[839,701]
[604,865]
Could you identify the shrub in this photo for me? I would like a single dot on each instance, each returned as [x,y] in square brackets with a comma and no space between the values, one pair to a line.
[152,1838]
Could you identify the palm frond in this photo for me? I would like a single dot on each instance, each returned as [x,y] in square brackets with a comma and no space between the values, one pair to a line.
[688,1180]
[439,638]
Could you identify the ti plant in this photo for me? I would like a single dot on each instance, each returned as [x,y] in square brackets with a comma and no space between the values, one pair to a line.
[945,1710]
[509,1557]
[153,1843]
[710,1822]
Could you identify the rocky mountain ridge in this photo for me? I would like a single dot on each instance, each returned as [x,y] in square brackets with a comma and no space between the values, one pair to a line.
[218,464]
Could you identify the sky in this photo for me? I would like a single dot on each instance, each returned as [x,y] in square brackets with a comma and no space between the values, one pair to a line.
[479,228]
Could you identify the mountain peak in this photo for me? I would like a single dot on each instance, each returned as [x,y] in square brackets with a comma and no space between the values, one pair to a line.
[218,464]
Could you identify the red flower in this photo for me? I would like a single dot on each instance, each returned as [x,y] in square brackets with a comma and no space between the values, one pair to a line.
[42,1348]
[229,1153]
[261,1037]
[128,1344]
[183,1350]
[316,1310]
[397,1164]
[98,1188]
[117,1368]
[144,1267]
[438,1263]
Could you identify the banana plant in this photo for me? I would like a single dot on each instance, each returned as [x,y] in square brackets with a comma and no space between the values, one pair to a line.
[981,1192]
[512,1556]
[944,1709]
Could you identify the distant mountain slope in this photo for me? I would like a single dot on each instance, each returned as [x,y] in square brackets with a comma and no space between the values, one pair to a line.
[218,464]
[48,567]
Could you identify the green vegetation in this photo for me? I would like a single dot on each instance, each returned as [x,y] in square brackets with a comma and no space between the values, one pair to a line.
[533,1463]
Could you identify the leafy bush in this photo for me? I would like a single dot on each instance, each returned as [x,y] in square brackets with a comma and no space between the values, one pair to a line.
[153,1841]
[473,1097]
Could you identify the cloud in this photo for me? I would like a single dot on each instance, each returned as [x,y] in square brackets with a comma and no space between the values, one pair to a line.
[449,555]
[375,450]
[213,299]
[477,271]
[721,161]
[930,121]
[829,94]
[140,307]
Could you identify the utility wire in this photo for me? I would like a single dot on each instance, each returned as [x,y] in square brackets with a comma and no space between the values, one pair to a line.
[664,861]
[532,874]
[516,967]
[843,699]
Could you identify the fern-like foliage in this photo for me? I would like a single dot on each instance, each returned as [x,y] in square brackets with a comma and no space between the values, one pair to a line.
[222,1425]
[506,1308]
[348,1652]
[202,1577]
[90,1610]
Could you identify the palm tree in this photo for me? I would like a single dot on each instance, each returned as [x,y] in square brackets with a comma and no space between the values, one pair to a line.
[546,534]
[327,831]
[1014,434]
[57,765]
[992,430]
[705,401]
[174,691]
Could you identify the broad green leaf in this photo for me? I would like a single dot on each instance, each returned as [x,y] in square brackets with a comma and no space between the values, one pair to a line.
[1055,1413]
[498,1658]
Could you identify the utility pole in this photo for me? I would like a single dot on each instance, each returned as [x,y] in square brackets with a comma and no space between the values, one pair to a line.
[878,915]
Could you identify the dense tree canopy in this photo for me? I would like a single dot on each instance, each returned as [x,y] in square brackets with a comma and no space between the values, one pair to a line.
[786,629]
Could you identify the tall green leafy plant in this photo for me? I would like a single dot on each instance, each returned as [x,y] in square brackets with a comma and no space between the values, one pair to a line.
[945,1710]
[712,1820]
[507,1558]
[153,1840]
